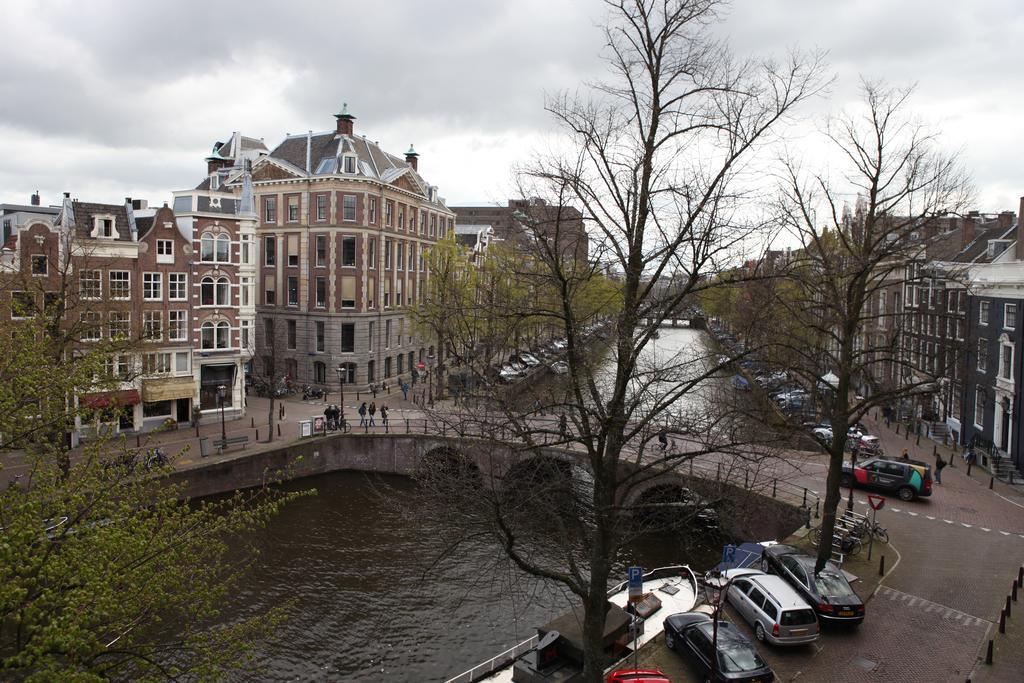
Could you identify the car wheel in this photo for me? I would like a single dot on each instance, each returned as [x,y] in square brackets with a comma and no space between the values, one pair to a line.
[846,481]
[906,494]
[759,632]
[765,567]
[670,640]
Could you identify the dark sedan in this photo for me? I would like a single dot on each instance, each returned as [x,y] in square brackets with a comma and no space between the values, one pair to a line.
[828,591]
[692,633]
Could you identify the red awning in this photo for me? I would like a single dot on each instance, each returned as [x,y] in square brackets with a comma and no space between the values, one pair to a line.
[126,397]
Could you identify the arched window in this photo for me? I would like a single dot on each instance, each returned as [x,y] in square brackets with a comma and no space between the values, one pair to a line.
[320,372]
[206,291]
[223,249]
[207,335]
[206,248]
[214,292]
[223,335]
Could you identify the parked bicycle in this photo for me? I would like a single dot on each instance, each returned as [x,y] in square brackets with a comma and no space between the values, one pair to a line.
[849,544]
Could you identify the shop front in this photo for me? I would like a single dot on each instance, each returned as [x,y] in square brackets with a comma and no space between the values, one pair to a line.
[167,400]
[211,378]
[108,412]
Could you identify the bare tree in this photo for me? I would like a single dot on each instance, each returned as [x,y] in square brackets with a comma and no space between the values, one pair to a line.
[650,159]
[840,310]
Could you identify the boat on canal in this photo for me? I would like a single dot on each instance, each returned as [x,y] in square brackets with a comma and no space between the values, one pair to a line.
[555,653]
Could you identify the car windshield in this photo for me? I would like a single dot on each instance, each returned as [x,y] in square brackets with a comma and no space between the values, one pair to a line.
[733,658]
[798,617]
[833,585]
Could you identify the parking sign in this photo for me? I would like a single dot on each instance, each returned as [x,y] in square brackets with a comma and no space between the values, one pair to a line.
[636,582]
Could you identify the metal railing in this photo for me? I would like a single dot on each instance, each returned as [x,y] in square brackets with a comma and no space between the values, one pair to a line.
[496,662]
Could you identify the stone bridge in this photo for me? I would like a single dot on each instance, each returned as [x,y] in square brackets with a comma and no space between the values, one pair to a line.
[497,465]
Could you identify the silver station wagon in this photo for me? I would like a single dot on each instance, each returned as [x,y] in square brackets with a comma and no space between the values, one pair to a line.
[776,612]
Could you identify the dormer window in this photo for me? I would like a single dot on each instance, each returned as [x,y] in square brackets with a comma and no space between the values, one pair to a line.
[214,182]
[350,163]
[997,247]
[103,226]
[328,165]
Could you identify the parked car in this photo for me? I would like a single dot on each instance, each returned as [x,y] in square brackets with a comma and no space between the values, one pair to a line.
[908,479]
[529,359]
[508,374]
[827,591]
[638,676]
[691,633]
[560,367]
[773,608]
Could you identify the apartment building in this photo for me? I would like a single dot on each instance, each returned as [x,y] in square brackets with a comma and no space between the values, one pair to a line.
[343,228]
[523,221]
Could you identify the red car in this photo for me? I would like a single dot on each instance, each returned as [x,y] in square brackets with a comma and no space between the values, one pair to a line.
[638,676]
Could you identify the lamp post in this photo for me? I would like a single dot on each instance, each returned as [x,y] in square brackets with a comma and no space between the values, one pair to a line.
[341,370]
[430,378]
[222,392]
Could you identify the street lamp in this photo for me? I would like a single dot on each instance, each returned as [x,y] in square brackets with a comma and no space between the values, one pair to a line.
[430,378]
[341,370]
[222,393]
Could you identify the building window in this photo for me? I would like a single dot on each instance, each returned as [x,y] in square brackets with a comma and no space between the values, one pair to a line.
[218,335]
[983,307]
[1010,316]
[321,207]
[120,284]
[979,407]
[321,336]
[387,253]
[92,326]
[320,372]
[373,210]
[39,266]
[215,292]
[103,226]
[268,332]
[152,286]
[157,364]
[177,325]
[389,209]
[982,355]
[90,284]
[176,286]
[270,250]
[387,334]
[348,251]
[348,207]
[246,341]
[371,330]
[292,334]
[348,337]
[348,291]
[348,374]
[370,371]
[246,249]
[1006,362]
[293,209]
[401,217]
[120,324]
[270,209]
[293,251]
[152,325]
[371,252]
[412,258]
[165,251]
[350,164]
[245,291]
[181,361]
[387,367]
[321,292]
[293,291]
[321,251]
[270,297]
[215,248]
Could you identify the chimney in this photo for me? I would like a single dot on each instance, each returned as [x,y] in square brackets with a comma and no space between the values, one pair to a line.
[968,229]
[412,158]
[67,195]
[35,198]
[140,204]
[1006,218]
[345,120]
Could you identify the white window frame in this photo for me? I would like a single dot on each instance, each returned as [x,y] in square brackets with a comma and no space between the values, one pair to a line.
[345,208]
[118,326]
[127,282]
[983,312]
[152,286]
[98,280]
[98,230]
[177,281]
[165,251]
[177,330]
[153,325]
[979,407]
[1007,308]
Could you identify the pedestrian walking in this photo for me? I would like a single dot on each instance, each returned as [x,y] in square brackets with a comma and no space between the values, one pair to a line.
[372,410]
[563,425]
[538,407]
[939,465]
[384,414]
[971,457]
[405,390]
[663,439]
[362,414]
[906,454]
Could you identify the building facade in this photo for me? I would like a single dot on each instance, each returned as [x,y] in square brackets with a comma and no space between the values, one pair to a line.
[343,228]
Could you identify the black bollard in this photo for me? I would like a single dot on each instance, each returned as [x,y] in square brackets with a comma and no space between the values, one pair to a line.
[817,503]
[1007,608]
[991,481]
[252,421]
[1020,577]
[1013,591]
[774,481]
[257,434]
[138,441]
[988,653]
[804,504]
[279,429]
[935,451]
[881,566]
[1002,622]
[897,429]
[406,425]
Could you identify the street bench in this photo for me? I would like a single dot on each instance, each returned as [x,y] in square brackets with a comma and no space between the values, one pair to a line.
[231,441]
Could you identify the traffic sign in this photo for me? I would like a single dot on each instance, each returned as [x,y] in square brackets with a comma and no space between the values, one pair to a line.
[636,583]
[876,502]
[728,554]
[421,365]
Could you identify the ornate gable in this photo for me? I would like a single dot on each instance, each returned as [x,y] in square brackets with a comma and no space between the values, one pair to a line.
[271,171]
[406,182]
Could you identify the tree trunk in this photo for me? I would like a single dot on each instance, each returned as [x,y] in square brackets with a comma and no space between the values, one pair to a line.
[270,416]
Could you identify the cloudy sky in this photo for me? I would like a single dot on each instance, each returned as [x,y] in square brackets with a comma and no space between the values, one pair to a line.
[114,99]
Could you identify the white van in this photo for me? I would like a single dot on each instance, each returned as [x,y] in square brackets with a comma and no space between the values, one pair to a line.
[776,612]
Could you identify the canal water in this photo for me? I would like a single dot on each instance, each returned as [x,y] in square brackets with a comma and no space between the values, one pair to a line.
[371,600]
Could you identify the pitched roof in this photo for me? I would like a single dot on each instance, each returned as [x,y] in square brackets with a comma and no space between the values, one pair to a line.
[977,250]
[84,212]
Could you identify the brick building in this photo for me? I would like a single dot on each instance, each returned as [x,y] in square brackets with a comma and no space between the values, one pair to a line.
[524,220]
[343,227]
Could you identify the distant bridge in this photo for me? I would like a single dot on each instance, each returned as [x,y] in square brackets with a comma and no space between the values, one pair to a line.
[696,322]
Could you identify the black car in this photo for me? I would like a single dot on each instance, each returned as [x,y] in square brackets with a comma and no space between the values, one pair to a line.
[828,591]
[738,660]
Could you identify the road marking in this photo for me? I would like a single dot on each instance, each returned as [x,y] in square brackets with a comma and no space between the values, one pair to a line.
[984,529]
[912,514]
[948,521]
[965,524]
[1005,533]
[929,606]
[930,517]
[895,509]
